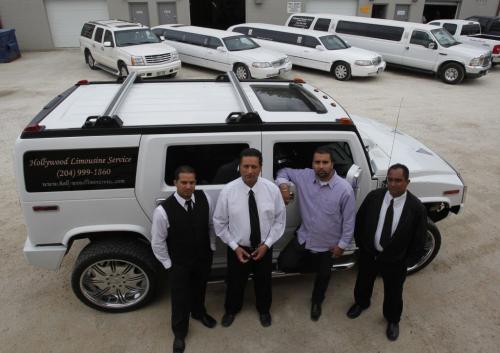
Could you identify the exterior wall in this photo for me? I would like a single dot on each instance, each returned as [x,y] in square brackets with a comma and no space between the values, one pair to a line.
[478,7]
[29,19]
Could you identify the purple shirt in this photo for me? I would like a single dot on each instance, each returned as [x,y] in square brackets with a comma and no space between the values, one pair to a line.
[328,211]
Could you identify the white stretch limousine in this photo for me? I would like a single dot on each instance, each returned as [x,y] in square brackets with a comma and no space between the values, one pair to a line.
[405,44]
[223,51]
[315,49]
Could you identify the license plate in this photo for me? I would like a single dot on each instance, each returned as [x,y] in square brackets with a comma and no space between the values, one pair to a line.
[161,73]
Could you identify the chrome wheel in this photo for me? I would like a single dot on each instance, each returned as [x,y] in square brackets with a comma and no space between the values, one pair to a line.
[451,74]
[90,61]
[340,72]
[431,248]
[114,284]
[242,72]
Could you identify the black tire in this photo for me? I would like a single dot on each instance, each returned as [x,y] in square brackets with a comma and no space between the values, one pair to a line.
[122,70]
[115,275]
[89,59]
[242,72]
[341,71]
[432,246]
[452,73]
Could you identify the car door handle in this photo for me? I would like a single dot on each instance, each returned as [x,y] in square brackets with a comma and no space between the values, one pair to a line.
[443,54]
[407,48]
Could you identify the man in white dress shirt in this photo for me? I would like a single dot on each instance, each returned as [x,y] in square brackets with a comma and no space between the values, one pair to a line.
[249,218]
[183,241]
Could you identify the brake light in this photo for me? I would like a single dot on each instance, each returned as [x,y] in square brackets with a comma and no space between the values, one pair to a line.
[345,121]
[34,128]
[82,82]
[496,49]
[298,80]
[451,192]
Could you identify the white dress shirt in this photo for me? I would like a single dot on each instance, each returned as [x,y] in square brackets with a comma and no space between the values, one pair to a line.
[232,219]
[159,229]
[398,205]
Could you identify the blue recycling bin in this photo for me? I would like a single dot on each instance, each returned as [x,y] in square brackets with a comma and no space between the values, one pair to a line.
[9,50]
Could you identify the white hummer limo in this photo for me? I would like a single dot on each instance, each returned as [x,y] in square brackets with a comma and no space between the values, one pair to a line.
[98,158]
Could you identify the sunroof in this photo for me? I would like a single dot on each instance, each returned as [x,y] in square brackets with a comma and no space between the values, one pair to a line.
[284,99]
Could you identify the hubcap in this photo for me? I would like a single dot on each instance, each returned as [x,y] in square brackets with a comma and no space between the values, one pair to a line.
[341,71]
[114,284]
[241,73]
[451,74]
[429,246]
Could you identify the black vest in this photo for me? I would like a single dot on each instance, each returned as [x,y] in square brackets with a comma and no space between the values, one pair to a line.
[188,237]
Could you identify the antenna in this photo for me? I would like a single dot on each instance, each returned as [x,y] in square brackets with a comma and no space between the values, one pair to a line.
[395,129]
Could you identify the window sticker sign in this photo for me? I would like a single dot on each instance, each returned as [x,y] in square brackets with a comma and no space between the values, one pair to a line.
[294,7]
[80,169]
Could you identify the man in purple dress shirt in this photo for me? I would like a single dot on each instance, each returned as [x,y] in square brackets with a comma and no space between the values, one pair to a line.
[328,209]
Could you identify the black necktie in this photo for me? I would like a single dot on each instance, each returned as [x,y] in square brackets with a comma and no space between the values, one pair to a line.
[385,237]
[254,220]
[189,204]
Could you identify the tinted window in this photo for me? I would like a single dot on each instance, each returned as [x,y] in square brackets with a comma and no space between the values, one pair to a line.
[214,164]
[214,43]
[301,22]
[195,39]
[468,30]
[299,155]
[322,24]
[495,26]
[370,30]
[173,35]
[135,37]
[87,30]
[284,99]
[108,37]
[276,36]
[242,30]
[333,42]
[420,38]
[450,27]
[98,34]
[310,42]
[434,23]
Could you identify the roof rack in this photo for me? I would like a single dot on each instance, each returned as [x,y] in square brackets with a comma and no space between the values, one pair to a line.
[248,115]
[109,119]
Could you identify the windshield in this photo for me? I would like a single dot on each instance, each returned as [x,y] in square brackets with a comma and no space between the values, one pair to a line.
[333,42]
[135,37]
[240,43]
[444,37]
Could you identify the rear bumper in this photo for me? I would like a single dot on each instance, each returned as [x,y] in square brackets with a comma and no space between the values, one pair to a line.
[48,257]
[156,70]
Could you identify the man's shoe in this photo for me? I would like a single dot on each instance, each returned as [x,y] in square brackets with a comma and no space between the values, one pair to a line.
[315,311]
[354,311]
[227,319]
[179,345]
[265,319]
[205,319]
[392,331]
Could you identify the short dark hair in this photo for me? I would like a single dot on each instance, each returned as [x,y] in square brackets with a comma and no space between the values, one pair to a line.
[324,150]
[406,172]
[251,152]
[183,169]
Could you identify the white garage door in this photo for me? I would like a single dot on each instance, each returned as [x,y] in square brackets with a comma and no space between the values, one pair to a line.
[339,7]
[66,18]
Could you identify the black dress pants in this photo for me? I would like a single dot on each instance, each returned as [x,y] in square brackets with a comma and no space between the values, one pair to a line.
[393,275]
[296,258]
[188,287]
[237,277]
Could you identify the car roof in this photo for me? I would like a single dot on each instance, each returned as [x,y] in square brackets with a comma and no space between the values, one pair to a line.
[118,24]
[294,30]
[367,20]
[200,30]
[181,103]
[456,21]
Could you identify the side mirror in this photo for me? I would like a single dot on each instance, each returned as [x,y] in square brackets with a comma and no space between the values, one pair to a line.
[221,49]
[431,45]
[107,44]
[320,47]
[162,38]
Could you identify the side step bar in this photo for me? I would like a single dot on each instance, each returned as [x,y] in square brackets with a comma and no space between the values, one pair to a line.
[107,69]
